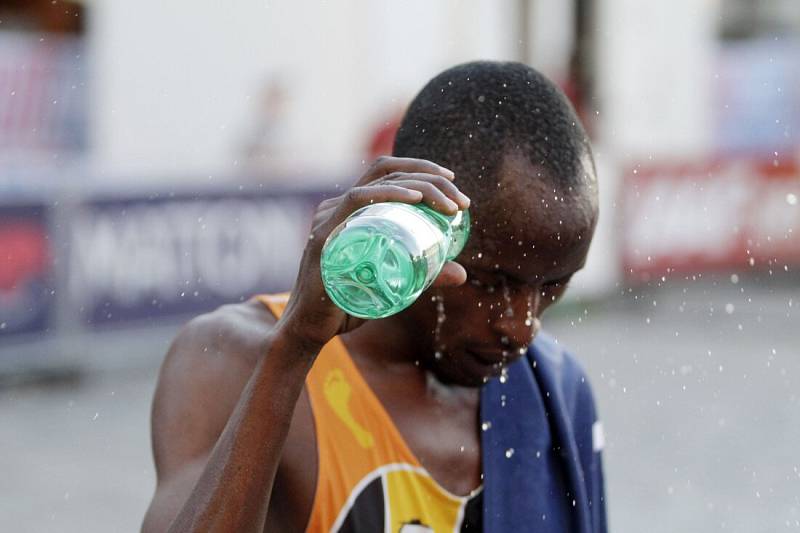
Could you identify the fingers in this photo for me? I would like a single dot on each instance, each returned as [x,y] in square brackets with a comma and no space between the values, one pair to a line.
[373,194]
[385,165]
[452,275]
[437,192]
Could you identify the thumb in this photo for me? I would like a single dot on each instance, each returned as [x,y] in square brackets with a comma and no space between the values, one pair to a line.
[452,275]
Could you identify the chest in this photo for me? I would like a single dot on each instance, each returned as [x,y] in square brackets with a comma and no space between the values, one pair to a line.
[442,433]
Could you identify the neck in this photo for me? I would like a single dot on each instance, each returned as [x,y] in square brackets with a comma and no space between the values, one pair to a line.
[388,343]
[394,347]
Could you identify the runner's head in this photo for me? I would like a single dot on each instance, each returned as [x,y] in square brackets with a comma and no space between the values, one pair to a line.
[520,153]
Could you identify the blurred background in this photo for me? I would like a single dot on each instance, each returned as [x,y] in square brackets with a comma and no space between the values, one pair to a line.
[160,158]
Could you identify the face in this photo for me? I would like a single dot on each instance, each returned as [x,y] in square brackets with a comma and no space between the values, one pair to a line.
[519,260]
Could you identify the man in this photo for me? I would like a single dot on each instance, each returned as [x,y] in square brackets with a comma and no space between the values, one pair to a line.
[276,415]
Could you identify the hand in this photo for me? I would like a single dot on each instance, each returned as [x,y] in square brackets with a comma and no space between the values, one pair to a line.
[310,316]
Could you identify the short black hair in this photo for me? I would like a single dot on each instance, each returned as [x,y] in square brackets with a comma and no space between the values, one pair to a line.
[470,116]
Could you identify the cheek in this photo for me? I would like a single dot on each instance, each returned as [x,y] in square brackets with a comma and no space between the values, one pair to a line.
[468,308]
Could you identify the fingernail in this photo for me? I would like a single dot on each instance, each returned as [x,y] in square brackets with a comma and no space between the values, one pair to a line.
[465,201]
[448,171]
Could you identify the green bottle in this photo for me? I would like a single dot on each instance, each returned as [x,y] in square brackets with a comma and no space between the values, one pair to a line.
[380,259]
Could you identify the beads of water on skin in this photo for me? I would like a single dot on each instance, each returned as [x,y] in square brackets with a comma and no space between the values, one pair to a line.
[509,312]
[440,318]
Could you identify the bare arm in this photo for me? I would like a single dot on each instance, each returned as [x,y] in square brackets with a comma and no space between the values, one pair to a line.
[231,478]
[220,421]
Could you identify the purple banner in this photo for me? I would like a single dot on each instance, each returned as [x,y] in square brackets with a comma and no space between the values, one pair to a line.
[146,258]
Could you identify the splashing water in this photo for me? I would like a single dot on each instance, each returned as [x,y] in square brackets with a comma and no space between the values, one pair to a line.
[441,316]
[529,311]
[509,312]
[530,320]
[504,375]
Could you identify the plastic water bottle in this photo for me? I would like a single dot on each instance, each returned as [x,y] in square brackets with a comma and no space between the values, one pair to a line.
[380,259]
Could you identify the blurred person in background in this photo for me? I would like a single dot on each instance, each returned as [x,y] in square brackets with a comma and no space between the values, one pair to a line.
[457,414]
[265,142]
[381,135]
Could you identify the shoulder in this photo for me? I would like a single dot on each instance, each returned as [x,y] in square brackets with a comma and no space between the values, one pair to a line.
[204,372]
[233,334]
[562,374]
[556,359]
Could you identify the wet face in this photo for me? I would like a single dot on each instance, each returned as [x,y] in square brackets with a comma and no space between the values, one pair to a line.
[524,247]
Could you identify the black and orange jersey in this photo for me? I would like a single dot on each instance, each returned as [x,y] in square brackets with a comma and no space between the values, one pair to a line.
[368,480]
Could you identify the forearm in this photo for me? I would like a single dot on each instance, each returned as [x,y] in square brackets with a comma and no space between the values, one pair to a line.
[234,490]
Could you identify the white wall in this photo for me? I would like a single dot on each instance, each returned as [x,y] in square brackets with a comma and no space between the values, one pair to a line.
[174,82]
[655,67]
[552,36]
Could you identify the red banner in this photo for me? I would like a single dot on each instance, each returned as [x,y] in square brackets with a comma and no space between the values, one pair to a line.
[727,214]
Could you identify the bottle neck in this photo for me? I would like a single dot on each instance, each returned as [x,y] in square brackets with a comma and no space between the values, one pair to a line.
[455,228]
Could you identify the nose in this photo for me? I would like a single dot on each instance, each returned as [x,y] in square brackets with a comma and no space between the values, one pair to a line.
[518,323]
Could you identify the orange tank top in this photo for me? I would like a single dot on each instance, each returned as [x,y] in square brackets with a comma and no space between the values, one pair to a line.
[368,480]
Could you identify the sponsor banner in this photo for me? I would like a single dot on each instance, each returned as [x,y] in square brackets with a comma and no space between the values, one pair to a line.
[146,258]
[729,214]
[26,270]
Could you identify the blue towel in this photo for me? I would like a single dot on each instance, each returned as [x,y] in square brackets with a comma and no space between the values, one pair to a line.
[542,472]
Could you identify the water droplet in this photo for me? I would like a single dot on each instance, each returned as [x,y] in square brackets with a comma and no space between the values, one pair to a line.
[734,279]
[509,312]
[729,308]
[440,318]
[486,426]
[509,453]
[529,318]
[791,199]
